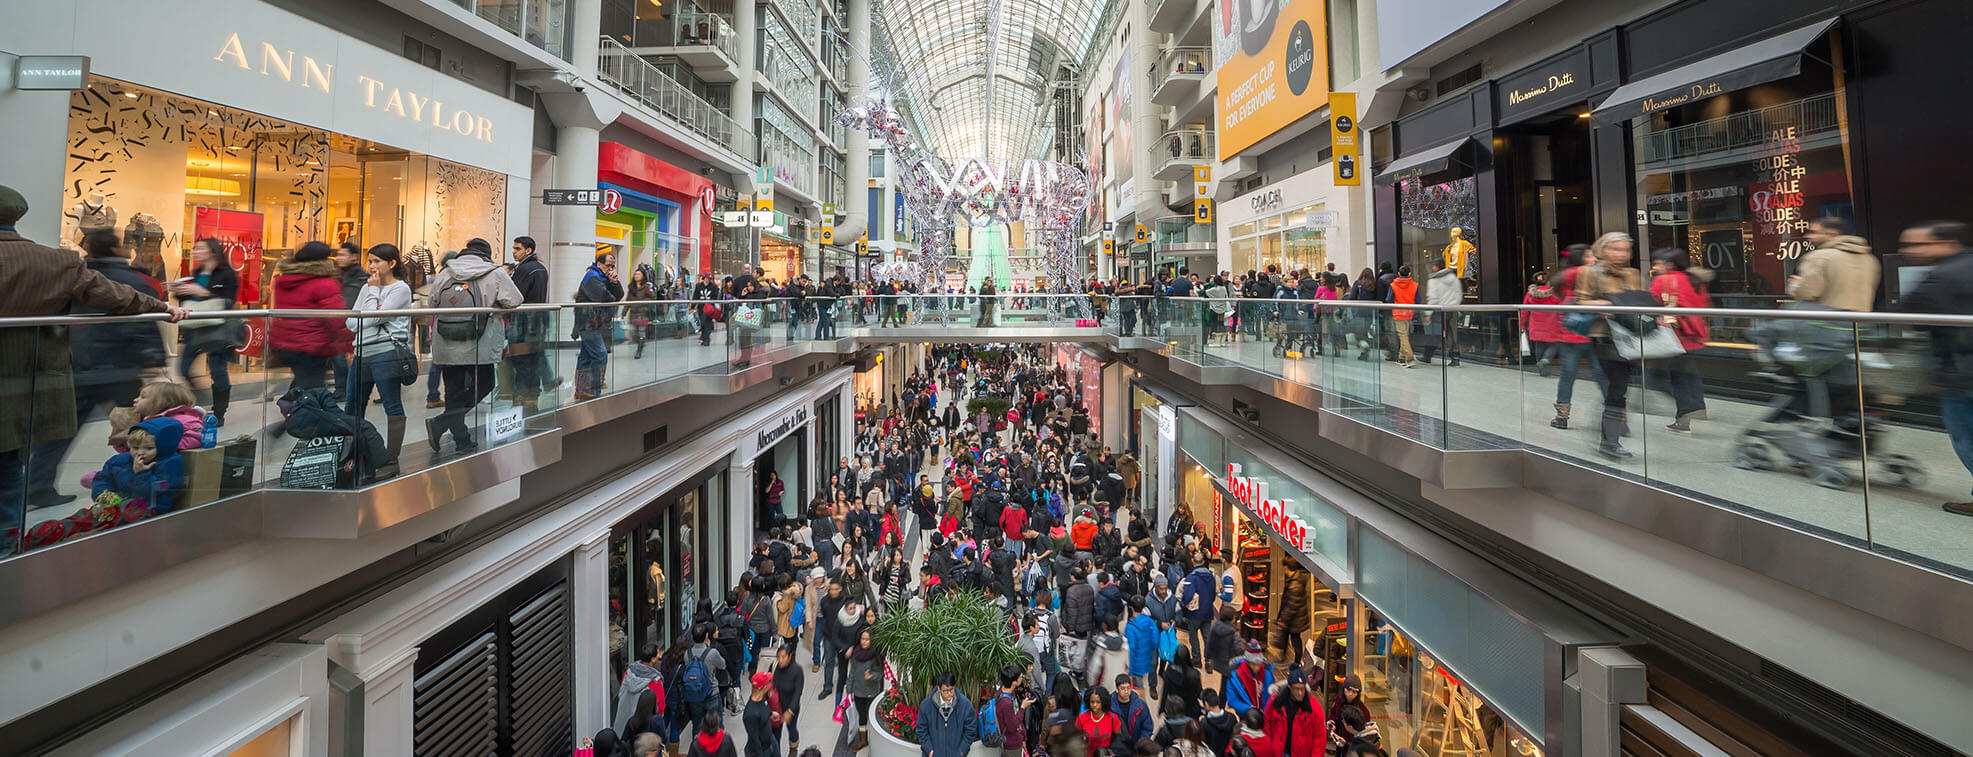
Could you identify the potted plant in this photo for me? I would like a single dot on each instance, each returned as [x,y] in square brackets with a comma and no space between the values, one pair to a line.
[960,632]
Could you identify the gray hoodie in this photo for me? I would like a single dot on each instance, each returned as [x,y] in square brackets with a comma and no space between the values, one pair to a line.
[1444,288]
[496,289]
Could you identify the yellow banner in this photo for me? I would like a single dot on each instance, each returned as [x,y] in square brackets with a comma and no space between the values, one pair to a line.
[1278,72]
[1202,210]
[1343,138]
[828,235]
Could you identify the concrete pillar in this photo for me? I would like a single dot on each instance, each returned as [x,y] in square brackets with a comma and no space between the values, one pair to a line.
[856,205]
[746,26]
[574,247]
[1148,193]
[590,585]
[585,30]
[846,425]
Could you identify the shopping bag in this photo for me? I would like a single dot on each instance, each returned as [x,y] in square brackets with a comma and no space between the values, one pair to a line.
[1656,344]
[747,316]
[1525,349]
[219,472]
[1167,644]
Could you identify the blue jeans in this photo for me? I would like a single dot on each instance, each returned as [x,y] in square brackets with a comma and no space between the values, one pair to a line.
[1569,354]
[590,362]
[1957,409]
[309,371]
[825,322]
[380,371]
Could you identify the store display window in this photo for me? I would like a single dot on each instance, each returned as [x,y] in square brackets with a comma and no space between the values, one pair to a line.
[1735,179]
[1438,226]
[1284,239]
[1205,505]
[1297,618]
[656,572]
[1418,703]
[164,170]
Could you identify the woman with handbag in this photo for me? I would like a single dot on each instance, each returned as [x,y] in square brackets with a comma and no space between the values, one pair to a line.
[383,350]
[213,285]
[642,287]
[1597,284]
[1679,284]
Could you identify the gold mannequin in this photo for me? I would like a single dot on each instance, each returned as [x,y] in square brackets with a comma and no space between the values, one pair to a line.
[1459,254]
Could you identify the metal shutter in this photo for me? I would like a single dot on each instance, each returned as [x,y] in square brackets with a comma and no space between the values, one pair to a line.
[455,705]
[540,709]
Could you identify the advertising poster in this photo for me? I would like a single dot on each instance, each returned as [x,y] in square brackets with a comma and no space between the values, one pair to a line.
[1274,69]
[1121,155]
[240,232]
[1093,146]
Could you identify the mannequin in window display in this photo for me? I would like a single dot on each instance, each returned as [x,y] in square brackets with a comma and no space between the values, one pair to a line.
[1459,253]
[145,238]
[92,213]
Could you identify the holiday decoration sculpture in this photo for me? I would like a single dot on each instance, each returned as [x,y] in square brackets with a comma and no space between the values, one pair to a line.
[1046,195]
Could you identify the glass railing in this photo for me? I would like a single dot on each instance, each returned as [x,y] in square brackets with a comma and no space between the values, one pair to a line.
[1823,421]
[1191,144]
[300,400]
[617,66]
[1179,61]
[963,310]
[697,27]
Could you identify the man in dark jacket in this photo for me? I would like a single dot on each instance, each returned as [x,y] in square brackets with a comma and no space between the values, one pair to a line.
[108,362]
[1109,600]
[1107,544]
[1079,605]
[705,294]
[1133,715]
[1947,289]
[528,332]
[599,284]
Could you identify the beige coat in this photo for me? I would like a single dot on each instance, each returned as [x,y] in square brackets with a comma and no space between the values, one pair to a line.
[1841,274]
[37,395]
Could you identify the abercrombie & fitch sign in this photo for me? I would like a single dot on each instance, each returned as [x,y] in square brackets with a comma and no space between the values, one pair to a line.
[1273,512]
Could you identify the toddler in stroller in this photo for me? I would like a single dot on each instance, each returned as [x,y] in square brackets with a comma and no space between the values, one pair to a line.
[1297,334]
[1815,424]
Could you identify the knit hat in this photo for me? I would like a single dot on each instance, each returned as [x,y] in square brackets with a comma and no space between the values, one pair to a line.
[1160,580]
[1295,676]
[12,206]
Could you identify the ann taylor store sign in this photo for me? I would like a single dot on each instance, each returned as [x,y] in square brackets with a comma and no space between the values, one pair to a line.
[1273,512]
[306,72]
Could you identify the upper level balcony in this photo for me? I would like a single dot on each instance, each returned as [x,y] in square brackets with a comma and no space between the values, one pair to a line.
[1180,150]
[542,23]
[705,41]
[618,66]
[1176,76]
[1169,16]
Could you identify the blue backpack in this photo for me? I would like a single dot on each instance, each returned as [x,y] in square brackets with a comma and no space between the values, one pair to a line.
[696,682]
[990,735]
[800,613]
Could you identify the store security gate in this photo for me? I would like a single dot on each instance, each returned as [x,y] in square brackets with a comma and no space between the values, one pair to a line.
[508,690]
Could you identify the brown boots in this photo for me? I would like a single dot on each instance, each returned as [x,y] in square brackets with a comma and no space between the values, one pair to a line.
[1561,416]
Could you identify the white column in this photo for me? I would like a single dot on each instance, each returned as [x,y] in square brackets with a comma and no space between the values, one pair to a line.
[846,425]
[574,247]
[739,517]
[585,31]
[745,26]
[387,694]
[857,146]
[591,587]
[1610,678]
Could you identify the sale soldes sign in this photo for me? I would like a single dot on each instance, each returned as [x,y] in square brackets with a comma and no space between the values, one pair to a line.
[1273,512]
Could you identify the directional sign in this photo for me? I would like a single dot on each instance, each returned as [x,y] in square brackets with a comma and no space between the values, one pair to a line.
[733,218]
[572,197]
[760,219]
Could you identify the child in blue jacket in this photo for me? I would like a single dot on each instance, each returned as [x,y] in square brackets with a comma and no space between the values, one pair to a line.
[152,470]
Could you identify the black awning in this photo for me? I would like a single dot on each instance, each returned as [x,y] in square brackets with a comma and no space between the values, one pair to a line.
[1425,162]
[1776,57]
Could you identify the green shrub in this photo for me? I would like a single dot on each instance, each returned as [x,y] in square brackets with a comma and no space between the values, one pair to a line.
[995,406]
[960,632]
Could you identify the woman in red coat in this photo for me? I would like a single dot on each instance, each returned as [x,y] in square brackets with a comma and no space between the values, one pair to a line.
[1679,284]
[1571,348]
[1544,328]
[1295,722]
[308,281]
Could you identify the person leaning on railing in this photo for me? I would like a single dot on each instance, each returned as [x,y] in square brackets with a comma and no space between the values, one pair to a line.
[37,398]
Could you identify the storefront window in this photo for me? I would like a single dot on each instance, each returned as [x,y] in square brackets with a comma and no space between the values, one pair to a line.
[1438,225]
[1285,240]
[1418,703]
[1734,180]
[164,170]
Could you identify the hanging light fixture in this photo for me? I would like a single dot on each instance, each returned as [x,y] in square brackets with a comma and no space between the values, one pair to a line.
[210,187]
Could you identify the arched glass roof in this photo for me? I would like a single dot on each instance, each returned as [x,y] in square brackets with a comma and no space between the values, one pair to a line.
[974,73]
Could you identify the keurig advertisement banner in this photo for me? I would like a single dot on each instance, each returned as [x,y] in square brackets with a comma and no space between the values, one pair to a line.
[1274,67]
[1343,139]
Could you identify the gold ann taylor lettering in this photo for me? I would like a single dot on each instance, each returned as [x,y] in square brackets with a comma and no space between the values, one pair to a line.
[403,103]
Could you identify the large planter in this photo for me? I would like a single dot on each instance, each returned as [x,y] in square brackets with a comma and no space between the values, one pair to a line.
[882,743]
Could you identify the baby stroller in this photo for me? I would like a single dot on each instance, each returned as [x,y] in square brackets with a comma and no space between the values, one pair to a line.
[1297,333]
[1814,424]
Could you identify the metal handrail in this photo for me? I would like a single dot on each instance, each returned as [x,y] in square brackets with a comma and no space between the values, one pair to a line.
[97,320]
[1833,316]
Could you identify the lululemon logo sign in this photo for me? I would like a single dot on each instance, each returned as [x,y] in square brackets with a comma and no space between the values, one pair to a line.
[612,201]
[1272,512]
[1300,63]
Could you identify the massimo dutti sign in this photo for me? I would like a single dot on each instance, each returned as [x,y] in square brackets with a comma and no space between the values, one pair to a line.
[1543,87]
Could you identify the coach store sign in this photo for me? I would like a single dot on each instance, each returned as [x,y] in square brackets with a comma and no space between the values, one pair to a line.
[1274,513]
[255,56]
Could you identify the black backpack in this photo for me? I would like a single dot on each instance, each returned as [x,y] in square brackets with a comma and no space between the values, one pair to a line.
[460,327]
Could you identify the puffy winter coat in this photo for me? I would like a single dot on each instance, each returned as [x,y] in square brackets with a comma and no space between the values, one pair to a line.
[1299,731]
[1679,287]
[1544,326]
[1195,598]
[309,285]
[1141,635]
[1079,608]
